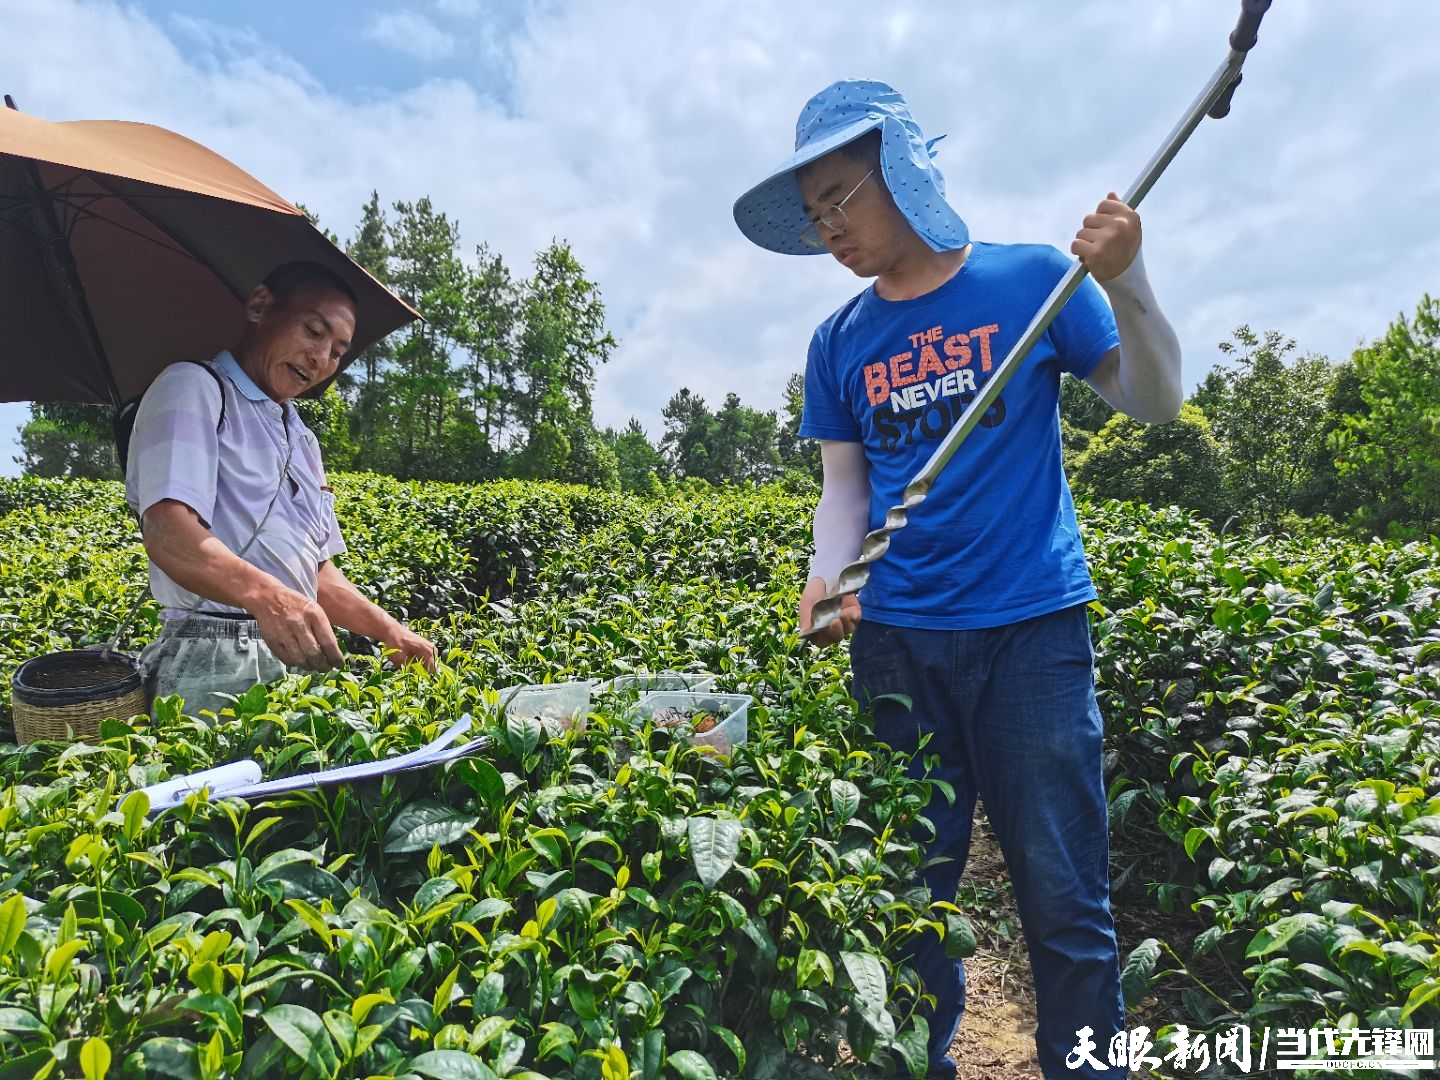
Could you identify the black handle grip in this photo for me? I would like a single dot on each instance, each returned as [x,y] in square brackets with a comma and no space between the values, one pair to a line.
[1221,108]
[1242,38]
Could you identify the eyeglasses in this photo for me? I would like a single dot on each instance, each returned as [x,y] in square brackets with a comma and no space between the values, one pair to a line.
[832,218]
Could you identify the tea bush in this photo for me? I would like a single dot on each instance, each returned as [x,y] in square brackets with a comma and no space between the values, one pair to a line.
[1275,714]
[610,903]
[614,903]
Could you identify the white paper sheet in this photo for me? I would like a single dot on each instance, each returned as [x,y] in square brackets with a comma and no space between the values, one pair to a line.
[242,779]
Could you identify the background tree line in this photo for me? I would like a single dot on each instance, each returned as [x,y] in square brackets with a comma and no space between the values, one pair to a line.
[1272,438]
[497,381]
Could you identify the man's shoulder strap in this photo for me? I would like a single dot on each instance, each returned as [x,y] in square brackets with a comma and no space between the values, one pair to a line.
[124,424]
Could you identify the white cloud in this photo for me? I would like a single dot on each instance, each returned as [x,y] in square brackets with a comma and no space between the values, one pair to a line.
[630,128]
[411,33]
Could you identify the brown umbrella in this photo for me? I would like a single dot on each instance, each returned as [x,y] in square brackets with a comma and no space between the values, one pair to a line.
[125,247]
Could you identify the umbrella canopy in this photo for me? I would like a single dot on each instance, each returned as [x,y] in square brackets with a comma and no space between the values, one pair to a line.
[125,247]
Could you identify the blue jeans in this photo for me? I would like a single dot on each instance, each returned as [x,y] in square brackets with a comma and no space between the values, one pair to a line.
[1012,718]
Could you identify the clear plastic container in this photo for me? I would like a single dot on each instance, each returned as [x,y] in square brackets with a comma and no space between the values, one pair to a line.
[557,706]
[731,711]
[653,681]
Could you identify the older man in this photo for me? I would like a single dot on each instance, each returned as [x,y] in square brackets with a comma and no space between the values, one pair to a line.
[236,515]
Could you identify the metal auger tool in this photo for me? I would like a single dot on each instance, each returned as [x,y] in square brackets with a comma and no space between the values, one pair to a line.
[1214,101]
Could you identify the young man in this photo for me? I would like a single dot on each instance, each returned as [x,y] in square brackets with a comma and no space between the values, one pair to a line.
[977,612]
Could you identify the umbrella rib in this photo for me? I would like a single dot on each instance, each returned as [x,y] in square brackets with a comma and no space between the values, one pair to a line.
[61,264]
[84,213]
[134,203]
[79,206]
[14,209]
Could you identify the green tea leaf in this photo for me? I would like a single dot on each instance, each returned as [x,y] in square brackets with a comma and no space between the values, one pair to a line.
[443,992]
[450,1065]
[1139,967]
[959,936]
[117,905]
[361,1006]
[1420,994]
[484,779]
[20,1020]
[868,975]
[12,923]
[134,809]
[1193,839]
[306,881]
[487,1030]
[1362,945]
[1430,844]
[912,1043]
[1275,936]
[688,1065]
[845,798]
[523,733]
[422,825]
[33,1066]
[95,1058]
[60,958]
[342,1029]
[303,1033]
[314,920]
[732,1041]
[614,1065]
[557,1042]
[714,844]
[218,1006]
[434,890]
[175,1058]
[582,998]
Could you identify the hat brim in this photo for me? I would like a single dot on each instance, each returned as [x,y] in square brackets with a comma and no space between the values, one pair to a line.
[772,213]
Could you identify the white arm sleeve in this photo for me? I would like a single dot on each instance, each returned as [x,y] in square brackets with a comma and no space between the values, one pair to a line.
[1146,384]
[842,517]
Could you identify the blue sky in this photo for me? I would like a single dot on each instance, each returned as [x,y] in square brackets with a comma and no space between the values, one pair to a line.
[629,128]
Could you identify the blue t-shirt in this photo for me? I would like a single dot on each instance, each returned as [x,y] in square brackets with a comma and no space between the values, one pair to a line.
[995,541]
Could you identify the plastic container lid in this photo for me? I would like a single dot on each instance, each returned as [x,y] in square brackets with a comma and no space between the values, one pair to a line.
[654,681]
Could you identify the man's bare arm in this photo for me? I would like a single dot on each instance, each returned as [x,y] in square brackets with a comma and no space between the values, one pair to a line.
[347,606]
[296,628]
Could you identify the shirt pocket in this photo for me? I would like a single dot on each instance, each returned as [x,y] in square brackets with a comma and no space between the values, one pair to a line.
[327,514]
[313,509]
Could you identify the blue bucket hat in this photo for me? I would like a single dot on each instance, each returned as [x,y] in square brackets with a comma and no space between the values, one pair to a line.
[771,213]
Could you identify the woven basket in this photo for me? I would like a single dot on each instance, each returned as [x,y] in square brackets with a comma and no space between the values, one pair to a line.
[65,695]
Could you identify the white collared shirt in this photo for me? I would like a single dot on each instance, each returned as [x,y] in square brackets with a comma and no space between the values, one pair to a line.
[229,477]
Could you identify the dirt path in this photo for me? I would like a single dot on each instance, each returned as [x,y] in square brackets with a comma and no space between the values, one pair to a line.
[996,1040]
[997,1037]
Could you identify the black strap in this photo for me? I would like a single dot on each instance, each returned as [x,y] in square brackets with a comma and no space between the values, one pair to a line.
[219,385]
[124,425]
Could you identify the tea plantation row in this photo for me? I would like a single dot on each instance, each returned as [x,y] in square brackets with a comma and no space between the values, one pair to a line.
[614,903]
